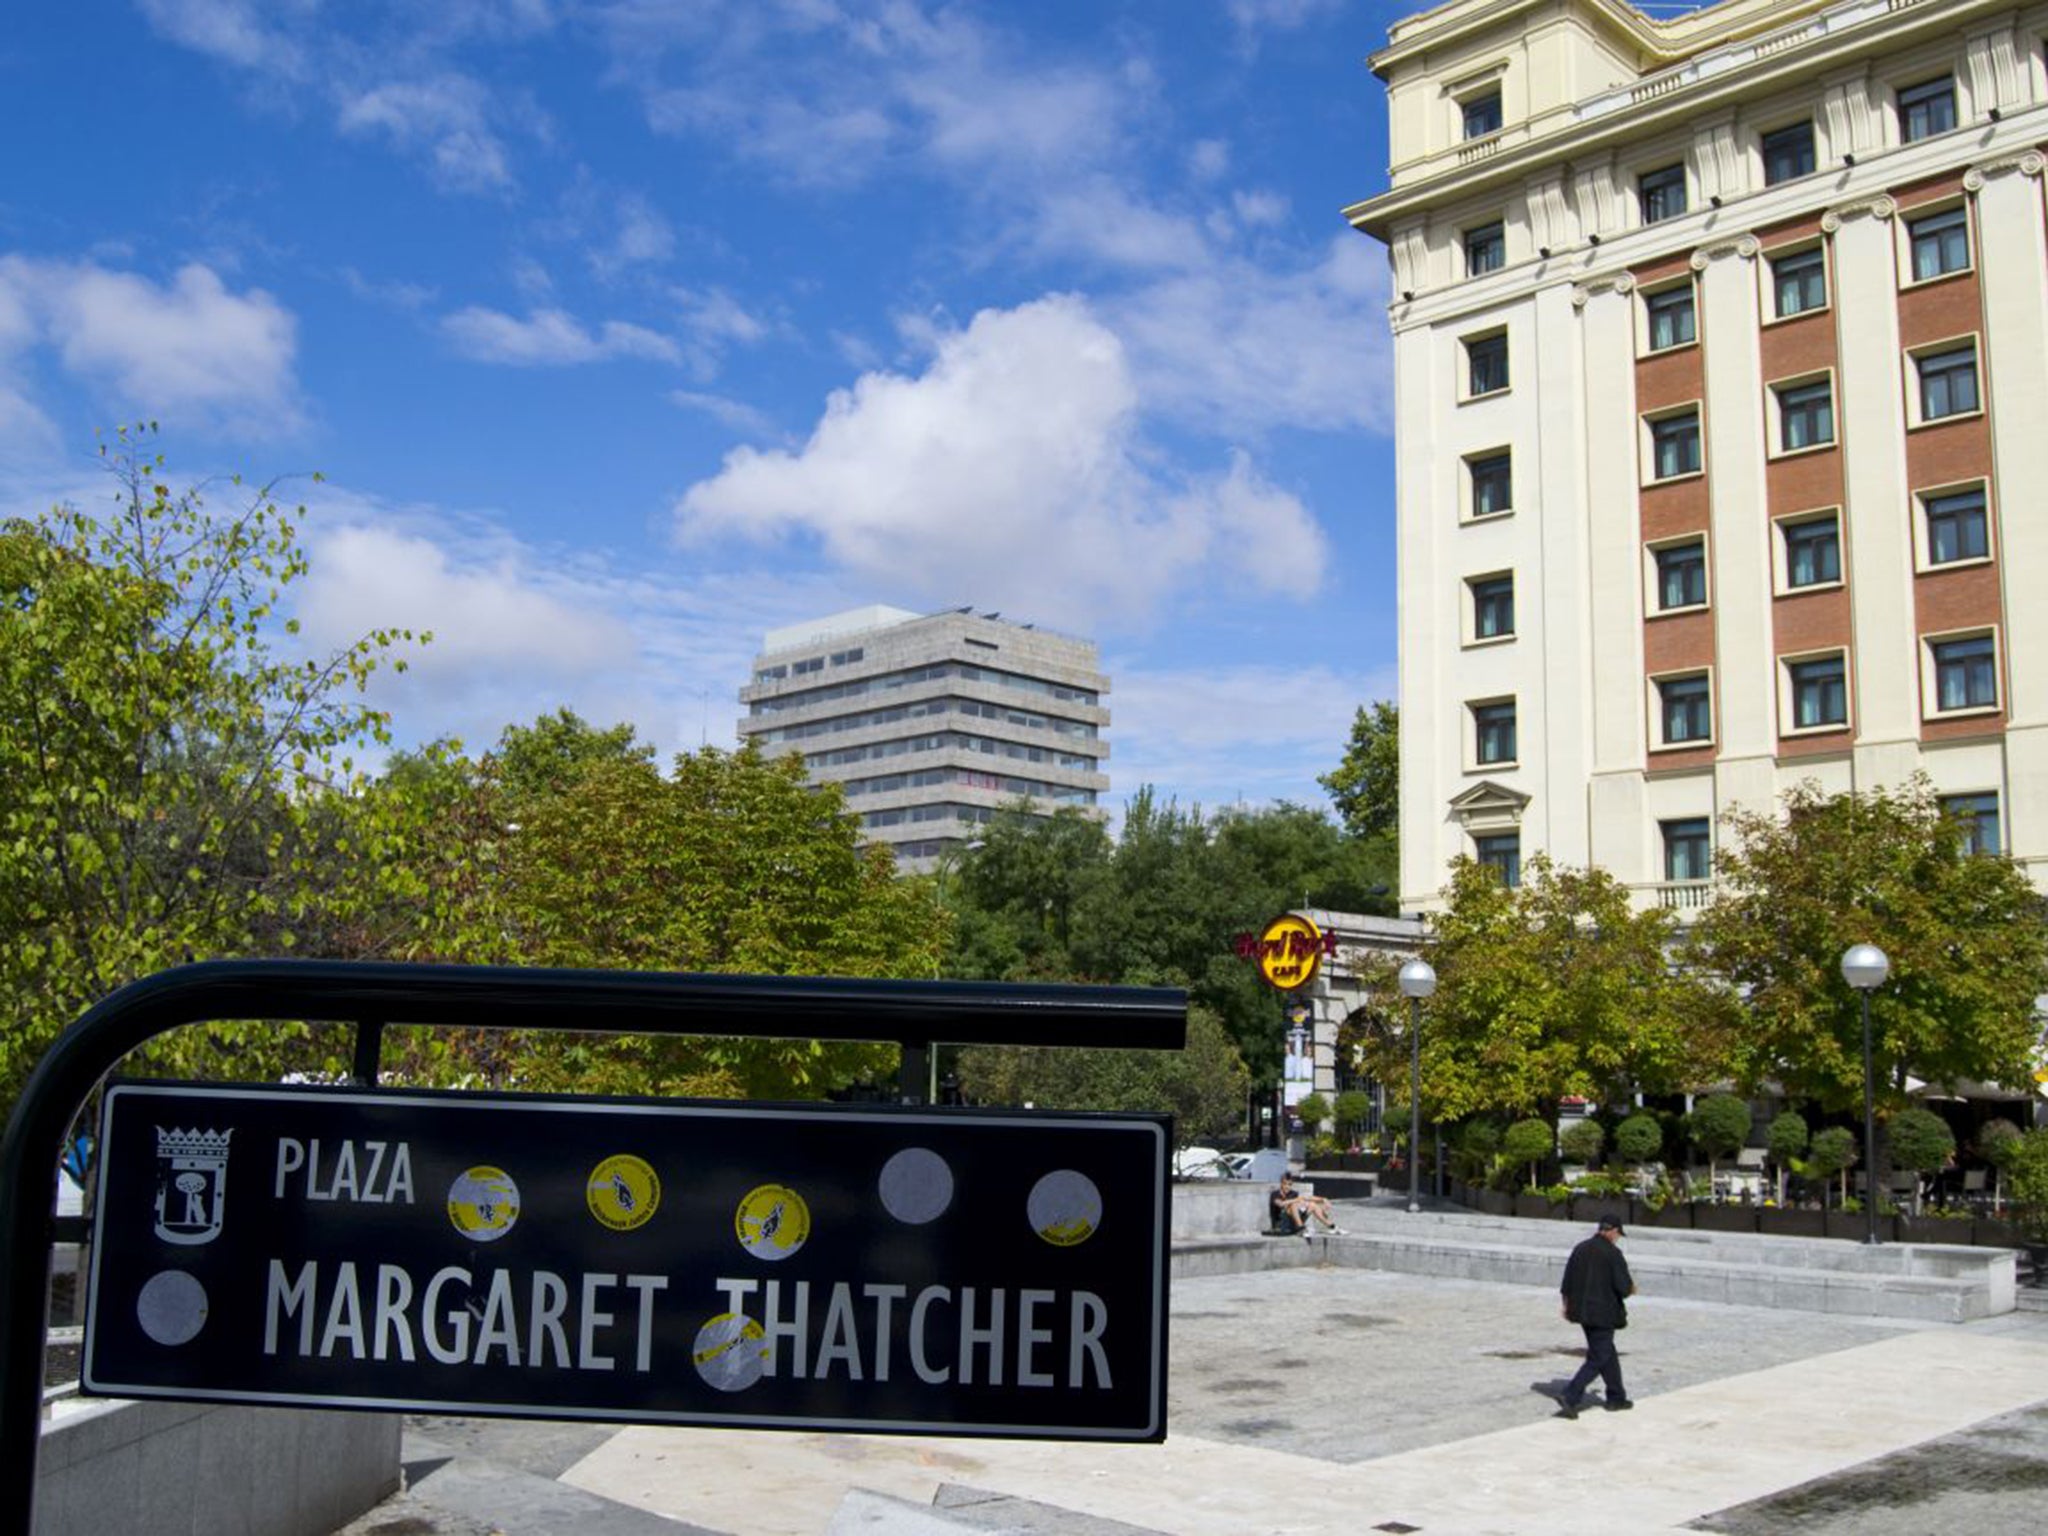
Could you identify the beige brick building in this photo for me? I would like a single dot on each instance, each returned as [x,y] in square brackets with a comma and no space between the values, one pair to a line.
[1721,360]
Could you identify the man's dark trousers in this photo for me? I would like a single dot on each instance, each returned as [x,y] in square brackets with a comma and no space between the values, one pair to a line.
[1601,1361]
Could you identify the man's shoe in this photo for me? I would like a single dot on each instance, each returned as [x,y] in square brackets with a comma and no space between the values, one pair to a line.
[1618,1404]
[1566,1410]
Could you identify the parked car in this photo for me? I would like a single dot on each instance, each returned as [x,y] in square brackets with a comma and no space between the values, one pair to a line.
[1199,1163]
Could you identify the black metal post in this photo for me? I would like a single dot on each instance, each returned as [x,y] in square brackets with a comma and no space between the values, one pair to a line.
[493,997]
[1414,1103]
[369,1050]
[1869,1131]
[913,1076]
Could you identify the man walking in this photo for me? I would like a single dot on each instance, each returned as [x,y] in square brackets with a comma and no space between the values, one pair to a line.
[1595,1295]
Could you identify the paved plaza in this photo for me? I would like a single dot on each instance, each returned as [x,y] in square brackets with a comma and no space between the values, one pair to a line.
[1334,1400]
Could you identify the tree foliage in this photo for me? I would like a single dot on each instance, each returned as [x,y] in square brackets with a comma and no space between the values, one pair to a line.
[1366,785]
[173,786]
[1638,1139]
[1965,935]
[1921,1140]
[1582,1140]
[1057,899]
[1202,1086]
[1555,988]
[1720,1126]
[1527,1143]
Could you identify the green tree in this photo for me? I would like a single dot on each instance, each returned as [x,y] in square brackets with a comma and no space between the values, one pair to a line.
[552,754]
[1965,935]
[1832,1151]
[1555,988]
[1354,1109]
[1638,1139]
[1527,1143]
[1720,1127]
[2026,1169]
[172,786]
[1786,1137]
[1582,1140]
[1995,1141]
[1366,785]
[1922,1142]
[1202,1086]
[1314,1109]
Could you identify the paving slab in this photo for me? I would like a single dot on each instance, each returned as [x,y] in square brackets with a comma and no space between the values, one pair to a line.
[1335,1400]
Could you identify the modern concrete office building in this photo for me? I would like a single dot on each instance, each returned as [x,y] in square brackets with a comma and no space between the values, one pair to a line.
[934,723]
[1721,359]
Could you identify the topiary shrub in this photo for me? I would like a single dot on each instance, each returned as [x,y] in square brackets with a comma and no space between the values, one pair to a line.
[1638,1139]
[1582,1140]
[1314,1109]
[1995,1145]
[1832,1151]
[1921,1141]
[1720,1125]
[1353,1110]
[1787,1139]
[1528,1142]
[2026,1169]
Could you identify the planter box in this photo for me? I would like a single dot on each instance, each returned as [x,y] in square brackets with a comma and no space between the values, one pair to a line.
[1985,1232]
[1672,1213]
[1852,1225]
[1325,1162]
[1935,1229]
[1790,1222]
[1593,1207]
[1493,1202]
[1534,1207]
[1708,1217]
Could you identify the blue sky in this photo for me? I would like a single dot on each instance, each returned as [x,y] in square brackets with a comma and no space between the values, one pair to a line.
[626,330]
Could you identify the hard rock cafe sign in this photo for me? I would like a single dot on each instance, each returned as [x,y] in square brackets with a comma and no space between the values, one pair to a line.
[1289,952]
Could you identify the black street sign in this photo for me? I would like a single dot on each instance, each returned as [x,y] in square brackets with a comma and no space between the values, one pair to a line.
[966,1272]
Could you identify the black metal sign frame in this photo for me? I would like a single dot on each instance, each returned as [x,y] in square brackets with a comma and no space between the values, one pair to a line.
[372,995]
[884,1270]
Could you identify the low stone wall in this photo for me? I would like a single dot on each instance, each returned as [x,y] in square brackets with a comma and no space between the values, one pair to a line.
[1219,1208]
[107,1467]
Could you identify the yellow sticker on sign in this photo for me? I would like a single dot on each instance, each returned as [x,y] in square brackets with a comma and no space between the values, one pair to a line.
[623,1192]
[772,1222]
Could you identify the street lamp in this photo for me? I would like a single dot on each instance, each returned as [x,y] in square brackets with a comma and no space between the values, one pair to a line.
[1864,967]
[1418,980]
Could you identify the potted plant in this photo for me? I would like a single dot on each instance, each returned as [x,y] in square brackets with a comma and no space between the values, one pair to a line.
[1786,1139]
[1353,1109]
[1527,1143]
[1829,1153]
[1922,1142]
[1312,1111]
[1581,1141]
[1659,1206]
[1720,1127]
[1599,1195]
[1995,1143]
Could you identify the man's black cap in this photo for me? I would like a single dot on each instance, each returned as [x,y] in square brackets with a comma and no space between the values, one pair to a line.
[1613,1224]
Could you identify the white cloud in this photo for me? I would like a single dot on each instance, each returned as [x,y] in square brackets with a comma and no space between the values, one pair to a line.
[1250,348]
[735,414]
[188,350]
[550,338]
[640,236]
[1208,159]
[234,31]
[1012,469]
[446,117]
[409,297]
[1279,15]
[1260,210]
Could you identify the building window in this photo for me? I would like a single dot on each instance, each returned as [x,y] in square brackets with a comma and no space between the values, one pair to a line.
[1501,853]
[1673,318]
[1979,816]
[1939,243]
[1688,849]
[1493,484]
[1486,249]
[1482,115]
[1965,673]
[1948,381]
[1927,109]
[1486,364]
[1681,576]
[1820,692]
[1813,552]
[1956,527]
[1675,445]
[1799,282]
[1662,193]
[1493,732]
[1686,709]
[1788,153]
[1806,415]
[1493,608]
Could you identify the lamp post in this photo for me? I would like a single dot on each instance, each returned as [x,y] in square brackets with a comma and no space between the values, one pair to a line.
[1864,967]
[1418,980]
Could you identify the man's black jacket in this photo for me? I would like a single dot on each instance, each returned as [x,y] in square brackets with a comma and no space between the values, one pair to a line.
[1597,1285]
